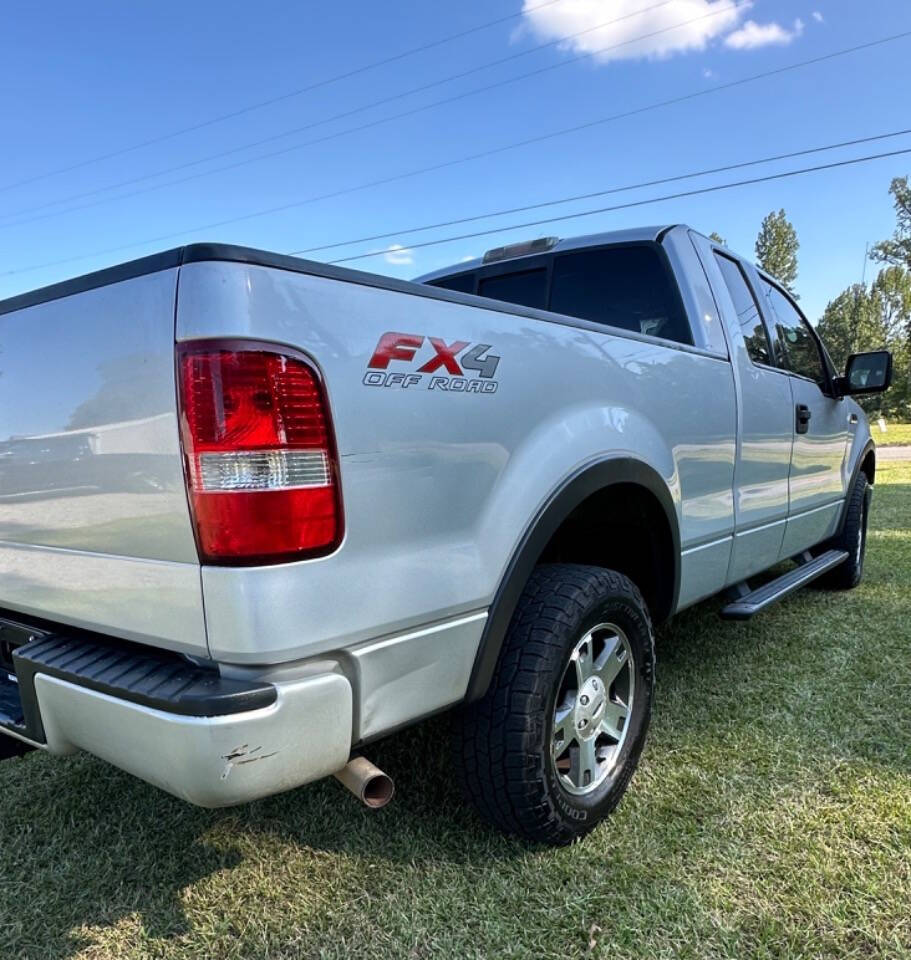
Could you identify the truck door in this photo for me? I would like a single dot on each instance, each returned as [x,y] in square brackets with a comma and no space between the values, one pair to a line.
[816,485]
[766,432]
[764,419]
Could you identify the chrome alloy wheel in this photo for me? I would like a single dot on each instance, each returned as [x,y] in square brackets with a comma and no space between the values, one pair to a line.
[592,712]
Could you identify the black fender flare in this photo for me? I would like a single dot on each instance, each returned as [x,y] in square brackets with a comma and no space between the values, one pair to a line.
[589,479]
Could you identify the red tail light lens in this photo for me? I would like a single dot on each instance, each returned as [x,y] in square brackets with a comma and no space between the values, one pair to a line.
[262,470]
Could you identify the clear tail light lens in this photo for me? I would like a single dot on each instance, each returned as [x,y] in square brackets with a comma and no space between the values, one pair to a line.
[262,470]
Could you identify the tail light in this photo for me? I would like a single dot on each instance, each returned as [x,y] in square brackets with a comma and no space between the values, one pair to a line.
[262,470]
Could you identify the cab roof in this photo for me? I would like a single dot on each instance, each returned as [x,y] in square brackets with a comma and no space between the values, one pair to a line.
[634,235]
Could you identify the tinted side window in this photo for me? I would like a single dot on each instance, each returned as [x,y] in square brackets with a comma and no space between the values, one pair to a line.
[624,287]
[754,333]
[463,283]
[528,288]
[798,346]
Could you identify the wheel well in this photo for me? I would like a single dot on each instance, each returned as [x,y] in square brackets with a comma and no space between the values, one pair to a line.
[623,527]
[869,466]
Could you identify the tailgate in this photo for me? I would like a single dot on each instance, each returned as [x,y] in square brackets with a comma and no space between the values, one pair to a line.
[94,522]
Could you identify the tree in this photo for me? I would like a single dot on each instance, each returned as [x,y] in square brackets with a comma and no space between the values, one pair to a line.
[892,293]
[847,325]
[776,249]
[897,250]
[869,318]
[716,237]
[865,318]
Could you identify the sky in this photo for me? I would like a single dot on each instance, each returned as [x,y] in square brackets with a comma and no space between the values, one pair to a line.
[131,128]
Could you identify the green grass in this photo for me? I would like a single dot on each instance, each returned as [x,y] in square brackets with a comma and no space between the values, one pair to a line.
[771,817]
[896,435]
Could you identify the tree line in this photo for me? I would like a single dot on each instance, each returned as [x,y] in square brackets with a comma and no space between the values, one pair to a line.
[864,316]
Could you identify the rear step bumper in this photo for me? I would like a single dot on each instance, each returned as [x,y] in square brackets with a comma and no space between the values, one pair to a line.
[748,605]
[210,739]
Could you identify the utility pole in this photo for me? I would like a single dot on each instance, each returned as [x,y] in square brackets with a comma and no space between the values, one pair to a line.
[863,275]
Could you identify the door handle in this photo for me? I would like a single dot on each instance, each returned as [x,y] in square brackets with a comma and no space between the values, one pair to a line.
[803,418]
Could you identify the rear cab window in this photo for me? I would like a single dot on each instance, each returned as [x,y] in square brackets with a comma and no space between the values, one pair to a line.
[461,283]
[528,288]
[620,286]
[628,288]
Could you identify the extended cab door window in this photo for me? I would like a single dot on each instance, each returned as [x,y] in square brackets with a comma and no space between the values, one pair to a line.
[754,331]
[798,348]
[627,287]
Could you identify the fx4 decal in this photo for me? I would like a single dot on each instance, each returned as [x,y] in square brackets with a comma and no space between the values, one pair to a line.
[452,359]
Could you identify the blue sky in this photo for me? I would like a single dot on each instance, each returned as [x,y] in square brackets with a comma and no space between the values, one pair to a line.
[83,80]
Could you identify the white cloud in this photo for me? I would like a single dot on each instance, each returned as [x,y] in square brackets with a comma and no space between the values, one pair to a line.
[709,73]
[818,17]
[752,35]
[398,255]
[675,27]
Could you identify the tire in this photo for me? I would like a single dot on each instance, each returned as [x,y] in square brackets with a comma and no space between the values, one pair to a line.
[852,538]
[522,761]
[11,747]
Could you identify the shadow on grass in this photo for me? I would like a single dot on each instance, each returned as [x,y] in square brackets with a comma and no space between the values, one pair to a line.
[84,846]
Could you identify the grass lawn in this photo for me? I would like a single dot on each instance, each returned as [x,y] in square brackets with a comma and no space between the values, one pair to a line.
[896,435]
[771,817]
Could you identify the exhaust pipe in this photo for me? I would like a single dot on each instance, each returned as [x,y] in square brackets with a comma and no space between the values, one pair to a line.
[368,783]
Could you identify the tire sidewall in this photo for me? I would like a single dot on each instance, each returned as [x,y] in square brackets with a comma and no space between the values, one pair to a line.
[857,528]
[588,809]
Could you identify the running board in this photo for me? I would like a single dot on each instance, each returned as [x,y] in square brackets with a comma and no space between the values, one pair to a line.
[751,603]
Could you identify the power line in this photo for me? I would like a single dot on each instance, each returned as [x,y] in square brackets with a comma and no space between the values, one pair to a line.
[376,64]
[602,193]
[360,127]
[483,154]
[638,203]
[476,156]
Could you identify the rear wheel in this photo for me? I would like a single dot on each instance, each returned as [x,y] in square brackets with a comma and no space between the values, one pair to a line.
[548,752]
[853,538]
[11,747]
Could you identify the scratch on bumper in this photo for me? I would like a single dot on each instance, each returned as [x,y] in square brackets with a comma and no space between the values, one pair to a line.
[305,735]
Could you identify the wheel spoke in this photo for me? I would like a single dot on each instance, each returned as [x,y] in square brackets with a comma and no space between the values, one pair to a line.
[584,763]
[611,661]
[563,729]
[616,716]
[585,665]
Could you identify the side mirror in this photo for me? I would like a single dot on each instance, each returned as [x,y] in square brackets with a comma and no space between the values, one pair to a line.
[866,373]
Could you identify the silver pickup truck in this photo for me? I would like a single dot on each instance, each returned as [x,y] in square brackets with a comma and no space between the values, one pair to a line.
[257,512]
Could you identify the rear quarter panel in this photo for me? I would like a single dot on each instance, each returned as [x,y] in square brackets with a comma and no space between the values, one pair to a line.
[439,487]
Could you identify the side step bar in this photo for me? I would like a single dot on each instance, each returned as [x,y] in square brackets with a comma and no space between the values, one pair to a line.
[751,602]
